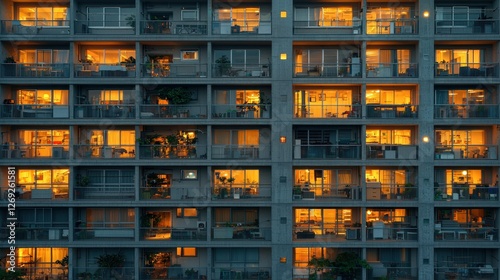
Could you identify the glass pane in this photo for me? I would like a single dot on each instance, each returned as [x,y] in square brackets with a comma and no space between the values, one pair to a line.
[111,17]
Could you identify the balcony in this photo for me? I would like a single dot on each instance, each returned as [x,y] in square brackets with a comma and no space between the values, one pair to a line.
[35,70]
[172,27]
[392,26]
[338,232]
[101,151]
[466,111]
[175,271]
[180,70]
[38,233]
[159,111]
[241,152]
[467,26]
[173,193]
[107,28]
[41,111]
[392,70]
[246,27]
[393,232]
[465,152]
[449,230]
[172,233]
[121,111]
[341,111]
[460,70]
[100,70]
[245,111]
[38,151]
[165,151]
[382,191]
[464,191]
[35,27]
[242,273]
[120,232]
[325,70]
[245,71]
[327,151]
[326,191]
[92,272]
[120,192]
[241,232]
[391,151]
[391,111]
[31,192]
[330,27]
[242,191]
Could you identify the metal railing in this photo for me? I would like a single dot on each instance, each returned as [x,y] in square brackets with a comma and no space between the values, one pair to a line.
[392,111]
[392,233]
[157,111]
[38,233]
[460,70]
[172,233]
[174,271]
[174,193]
[172,27]
[179,70]
[39,111]
[391,191]
[124,231]
[391,151]
[52,192]
[305,273]
[92,272]
[107,191]
[260,151]
[326,70]
[222,70]
[105,27]
[37,151]
[466,111]
[242,273]
[464,270]
[392,70]
[242,191]
[326,191]
[88,111]
[241,232]
[101,70]
[453,192]
[465,25]
[163,151]
[392,26]
[101,151]
[468,152]
[248,111]
[241,26]
[466,233]
[35,27]
[327,151]
[351,111]
[35,70]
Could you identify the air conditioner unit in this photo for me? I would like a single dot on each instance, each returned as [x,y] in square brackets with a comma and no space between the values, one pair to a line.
[202,226]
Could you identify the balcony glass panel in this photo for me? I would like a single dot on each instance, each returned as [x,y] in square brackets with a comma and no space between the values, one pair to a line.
[327,103]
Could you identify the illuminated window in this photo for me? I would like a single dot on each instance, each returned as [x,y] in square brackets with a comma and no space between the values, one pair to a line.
[187,212]
[236,216]
[44,179]
[109,56]
[186,251]
[108,217]
[38,96]
[388,96]
[189,55]
[246,19]
[110,17]
[389,136]
[44,56]
[41,259]
[43,16]
[381,20]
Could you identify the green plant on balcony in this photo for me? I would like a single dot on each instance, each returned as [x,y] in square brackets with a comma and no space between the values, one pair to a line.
[130,21]
[64,262]
[18,274]
[223,66]
[176,95]
[191,273]
[9,59]
[82,181]
[410,191]
[348,264]
[110,266]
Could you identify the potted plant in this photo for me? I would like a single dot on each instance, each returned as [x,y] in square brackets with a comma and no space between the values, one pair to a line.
[191,274]
[130,21]
[64,262]
[348,265]
[223,66]
[82,181]
[321,268]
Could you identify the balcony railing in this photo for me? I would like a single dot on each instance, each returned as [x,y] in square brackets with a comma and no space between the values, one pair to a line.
[394,270]
[326,191]
[121,111]
[465,26]
[39,111]
[171,27]
[240,71]
[242,273]
[95,272]
[36,269]
[38,233]
[172,233]
[241,232]
[156,111]
[465,270]
[352,111]
[392,26]
[260,151]
[37,151]
[122,232]
[174,193]
[306,272]
[392,70]
[327,151]
[108,191]
[242,191]
[241,27]
[377,151]
[460,70]
[35,27]
[31,192]
[248,111]
[175,271]
[35,70]
[392,233]
[337,70]
[468,152]
[467,111]
[487,234]
[163,151]
[330,26]
[457,191]
[101,70]
[391,111]
[108,27]
[186,70]
[107,152]
[379,191]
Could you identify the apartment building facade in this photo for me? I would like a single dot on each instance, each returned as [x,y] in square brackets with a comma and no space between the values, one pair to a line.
[242,139]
